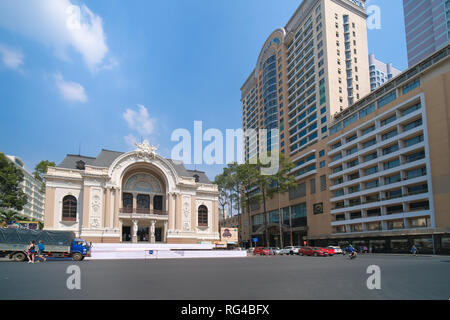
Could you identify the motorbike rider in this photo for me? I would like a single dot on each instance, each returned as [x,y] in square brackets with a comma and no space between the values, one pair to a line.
[351,251]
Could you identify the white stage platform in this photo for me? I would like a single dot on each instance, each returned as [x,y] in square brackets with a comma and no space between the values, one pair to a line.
[106,251]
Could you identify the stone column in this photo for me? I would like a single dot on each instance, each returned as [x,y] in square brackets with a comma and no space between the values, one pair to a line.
[165,232]
[120,230]
[107,220]
[178,212]
[116,208]
[85,212]
[215,217]
[135,201]
[135,230]
[172,197]
[152,231]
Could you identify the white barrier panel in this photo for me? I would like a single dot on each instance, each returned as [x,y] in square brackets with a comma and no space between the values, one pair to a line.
[99,247]
[166,254]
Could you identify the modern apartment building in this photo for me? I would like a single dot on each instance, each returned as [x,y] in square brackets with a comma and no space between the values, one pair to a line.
[381,178]
[314,67]
[427,25]
[34,209]
[380,72]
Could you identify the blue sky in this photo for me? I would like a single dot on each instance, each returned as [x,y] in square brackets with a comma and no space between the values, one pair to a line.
[137,69]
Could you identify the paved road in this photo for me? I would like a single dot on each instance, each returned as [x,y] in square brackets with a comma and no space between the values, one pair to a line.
[286,277]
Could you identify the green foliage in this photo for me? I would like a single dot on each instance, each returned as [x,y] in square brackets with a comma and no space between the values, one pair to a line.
[282,180]
[8,215]
[40,170]
[12,198]
[245,184]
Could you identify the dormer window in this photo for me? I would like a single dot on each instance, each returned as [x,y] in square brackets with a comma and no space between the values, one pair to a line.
[81,165]
[197,178]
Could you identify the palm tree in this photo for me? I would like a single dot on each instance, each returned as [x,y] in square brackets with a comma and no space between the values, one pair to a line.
[6,216]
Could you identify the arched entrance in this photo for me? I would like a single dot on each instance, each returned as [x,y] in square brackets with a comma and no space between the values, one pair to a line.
[143,213]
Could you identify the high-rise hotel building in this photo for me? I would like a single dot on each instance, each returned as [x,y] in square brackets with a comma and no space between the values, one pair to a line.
[307,71]
[427,24]
[372,168]
[381,179]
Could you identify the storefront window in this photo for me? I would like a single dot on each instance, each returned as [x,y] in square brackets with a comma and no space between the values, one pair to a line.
[258,220]
[400,245]
[274,217]
[424,244]
[299,215]
[286,216]
[378,245]
[445,243]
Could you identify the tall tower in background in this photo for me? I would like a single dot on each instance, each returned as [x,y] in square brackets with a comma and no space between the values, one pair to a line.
[427,25]
[306,72]
[380,72]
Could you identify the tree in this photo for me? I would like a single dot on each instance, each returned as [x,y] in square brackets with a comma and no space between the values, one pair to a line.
[235,184]
[263,182]
[12,198]
[283,183]
[278,183]
[223,195]
[247,174]
[40,170]
[7,216]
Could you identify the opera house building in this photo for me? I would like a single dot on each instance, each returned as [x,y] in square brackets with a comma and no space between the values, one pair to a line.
[137,196]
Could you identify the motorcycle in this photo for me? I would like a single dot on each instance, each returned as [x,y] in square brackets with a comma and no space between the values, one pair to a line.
[352,255]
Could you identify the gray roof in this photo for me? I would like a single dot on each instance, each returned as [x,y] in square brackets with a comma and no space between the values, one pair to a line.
[70,161]
[203,178]
[107,157]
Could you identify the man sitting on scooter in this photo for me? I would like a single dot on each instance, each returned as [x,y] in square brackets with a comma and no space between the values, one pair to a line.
[351,251]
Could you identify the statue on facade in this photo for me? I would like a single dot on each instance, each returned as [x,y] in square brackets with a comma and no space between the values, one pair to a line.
[144,149]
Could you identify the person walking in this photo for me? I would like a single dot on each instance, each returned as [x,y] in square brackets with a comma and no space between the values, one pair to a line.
[41,249]
[31,252]
[414,250]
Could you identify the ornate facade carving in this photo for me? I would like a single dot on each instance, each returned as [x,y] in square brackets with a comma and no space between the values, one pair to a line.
[95,217]
[145,150]
[186,213]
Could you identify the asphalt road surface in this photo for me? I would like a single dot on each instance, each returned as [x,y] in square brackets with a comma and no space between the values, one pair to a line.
[259,278]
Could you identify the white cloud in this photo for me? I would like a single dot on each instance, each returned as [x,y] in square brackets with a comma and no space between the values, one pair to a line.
[71,91]
[60,25]
[140,121]
[11,58]
[131,140]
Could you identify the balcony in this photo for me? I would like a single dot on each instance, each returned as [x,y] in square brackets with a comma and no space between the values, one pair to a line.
[384,201]
[131,212]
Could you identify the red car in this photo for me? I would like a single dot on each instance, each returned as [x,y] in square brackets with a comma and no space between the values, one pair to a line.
[330,251]
[261,251]
[314,251]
